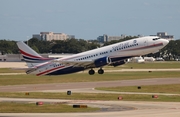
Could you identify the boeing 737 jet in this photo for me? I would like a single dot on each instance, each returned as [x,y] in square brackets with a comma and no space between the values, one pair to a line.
[115,54]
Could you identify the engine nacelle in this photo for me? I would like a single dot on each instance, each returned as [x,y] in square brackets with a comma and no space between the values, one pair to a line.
[115,64]
[102,61]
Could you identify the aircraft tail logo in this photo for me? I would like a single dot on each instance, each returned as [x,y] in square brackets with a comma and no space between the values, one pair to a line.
[31,57]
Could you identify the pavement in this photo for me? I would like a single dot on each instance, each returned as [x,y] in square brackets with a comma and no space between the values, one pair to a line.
[13,65]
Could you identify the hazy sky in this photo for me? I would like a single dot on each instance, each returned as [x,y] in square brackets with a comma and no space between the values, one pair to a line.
[88,19]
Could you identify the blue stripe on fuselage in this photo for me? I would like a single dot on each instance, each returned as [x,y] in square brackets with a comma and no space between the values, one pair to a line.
[67,70]
[28,58]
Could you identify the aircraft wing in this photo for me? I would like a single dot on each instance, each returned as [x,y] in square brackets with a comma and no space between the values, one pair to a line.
[99,62]
[28,70]
[21,68]
[76,63]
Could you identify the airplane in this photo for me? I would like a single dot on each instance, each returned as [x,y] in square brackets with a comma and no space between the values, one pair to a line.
[114,55]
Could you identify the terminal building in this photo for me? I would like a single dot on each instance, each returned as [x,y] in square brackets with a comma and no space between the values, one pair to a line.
[19,57]
[49,36]
[164,35]
[106,38]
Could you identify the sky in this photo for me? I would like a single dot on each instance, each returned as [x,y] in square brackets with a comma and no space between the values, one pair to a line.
[88,19]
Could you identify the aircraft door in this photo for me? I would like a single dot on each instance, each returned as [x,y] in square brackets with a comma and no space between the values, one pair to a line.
[145,46]
[146,42]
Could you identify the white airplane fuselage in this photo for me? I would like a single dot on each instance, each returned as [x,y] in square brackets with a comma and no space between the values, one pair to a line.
[101,56]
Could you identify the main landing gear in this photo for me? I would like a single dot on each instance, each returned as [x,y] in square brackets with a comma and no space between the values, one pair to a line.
[92,72]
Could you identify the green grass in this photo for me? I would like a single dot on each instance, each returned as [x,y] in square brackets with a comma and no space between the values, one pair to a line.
[156,65]
[14,107]
[169,88]
[149,65]
[17,107]
[84,77]
[92,96]
[9,70]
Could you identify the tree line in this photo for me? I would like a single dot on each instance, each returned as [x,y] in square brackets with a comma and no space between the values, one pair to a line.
[55,46]
[171,51]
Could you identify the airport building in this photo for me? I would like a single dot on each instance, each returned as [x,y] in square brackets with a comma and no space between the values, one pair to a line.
[49,36]
[19,57]
[106,38]
[164,35]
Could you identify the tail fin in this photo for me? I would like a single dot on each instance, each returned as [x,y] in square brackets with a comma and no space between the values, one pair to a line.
[31,57]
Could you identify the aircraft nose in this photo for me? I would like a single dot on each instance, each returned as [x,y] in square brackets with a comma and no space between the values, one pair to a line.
[165,42]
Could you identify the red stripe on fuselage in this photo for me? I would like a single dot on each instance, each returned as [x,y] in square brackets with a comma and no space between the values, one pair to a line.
[150,46]
[49,70]
[145,47]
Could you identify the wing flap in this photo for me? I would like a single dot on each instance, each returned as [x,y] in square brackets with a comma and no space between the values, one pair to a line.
[28,70]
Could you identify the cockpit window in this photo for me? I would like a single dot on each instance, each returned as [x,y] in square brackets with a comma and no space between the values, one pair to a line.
[156,39]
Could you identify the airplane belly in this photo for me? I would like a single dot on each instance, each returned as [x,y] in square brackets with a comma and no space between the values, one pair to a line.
[66,70]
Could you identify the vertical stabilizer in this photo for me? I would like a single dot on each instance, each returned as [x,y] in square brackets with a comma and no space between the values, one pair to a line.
[31,57]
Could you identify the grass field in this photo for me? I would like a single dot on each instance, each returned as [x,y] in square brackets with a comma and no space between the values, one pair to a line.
[84,77]
[9,70]
[92,96]
[147,65]
[15,107]
[58,108]
[170,88]
[153,65]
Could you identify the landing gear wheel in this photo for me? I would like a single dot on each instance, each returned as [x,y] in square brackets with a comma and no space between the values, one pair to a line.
[101,71]
[91,72]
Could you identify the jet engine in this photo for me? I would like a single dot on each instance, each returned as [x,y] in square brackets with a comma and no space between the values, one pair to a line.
[102,61]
